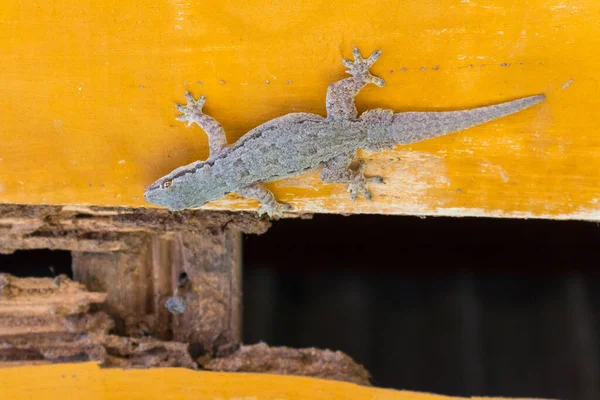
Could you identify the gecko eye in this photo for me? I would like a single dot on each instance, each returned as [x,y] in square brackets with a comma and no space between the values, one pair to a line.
[166,184]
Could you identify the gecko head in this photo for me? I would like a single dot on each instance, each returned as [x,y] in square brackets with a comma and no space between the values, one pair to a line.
[161,193]
[171,191]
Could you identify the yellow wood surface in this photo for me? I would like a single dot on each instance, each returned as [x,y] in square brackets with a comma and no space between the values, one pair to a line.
[88,87]
[88,381]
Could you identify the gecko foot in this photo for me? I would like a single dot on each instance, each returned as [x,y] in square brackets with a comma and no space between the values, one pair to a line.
[274,209]
[360,67]
[192,111]
[359,187]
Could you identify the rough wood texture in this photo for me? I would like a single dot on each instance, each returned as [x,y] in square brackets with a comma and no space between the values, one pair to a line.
[45,320]
[137,289]
[325,364]
[137,258]
[49,320]
[138,284]
[108,229]
[88,92]
[45,296]
[92,383]
[212,317]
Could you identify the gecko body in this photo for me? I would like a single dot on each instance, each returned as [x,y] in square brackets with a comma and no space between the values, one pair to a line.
[300,142]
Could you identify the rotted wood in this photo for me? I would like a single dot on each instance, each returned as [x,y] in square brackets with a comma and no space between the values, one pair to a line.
[127,263]
[138,257]
[326,364]
[45,320]
[139,283]
[100,230]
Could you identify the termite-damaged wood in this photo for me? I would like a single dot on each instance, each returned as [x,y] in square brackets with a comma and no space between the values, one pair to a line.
[138,285]
[46,320]
[326,364]
[99,230]
[41,296]
[131,261]
[137,256]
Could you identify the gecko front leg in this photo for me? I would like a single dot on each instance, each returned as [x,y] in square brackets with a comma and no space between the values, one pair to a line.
[340,94]
[269,205]
[192,112]
[337,170]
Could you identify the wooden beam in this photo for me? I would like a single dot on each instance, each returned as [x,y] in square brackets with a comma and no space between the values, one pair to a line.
[154,248]
[88,92]
[90,382]
[139,281]
[44,320]
[54,320]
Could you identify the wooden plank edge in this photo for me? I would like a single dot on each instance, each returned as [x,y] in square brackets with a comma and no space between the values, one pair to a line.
[89,381]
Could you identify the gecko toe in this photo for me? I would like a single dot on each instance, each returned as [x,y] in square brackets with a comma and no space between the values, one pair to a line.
[189,97]
[359,187]
[376,179]
[347,63]
[374,57]
[377,81]
[275,210]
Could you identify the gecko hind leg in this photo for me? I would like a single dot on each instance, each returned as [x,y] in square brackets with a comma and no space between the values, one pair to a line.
[192,112]
[340,94]
[269,205]
[337,170]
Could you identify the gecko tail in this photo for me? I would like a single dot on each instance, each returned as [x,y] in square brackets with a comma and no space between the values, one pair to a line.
[410,127]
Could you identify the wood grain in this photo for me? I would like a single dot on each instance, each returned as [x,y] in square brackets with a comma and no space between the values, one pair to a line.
[88,92]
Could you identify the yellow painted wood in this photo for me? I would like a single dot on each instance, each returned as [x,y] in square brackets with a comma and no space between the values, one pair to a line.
[88,381]
[88,88]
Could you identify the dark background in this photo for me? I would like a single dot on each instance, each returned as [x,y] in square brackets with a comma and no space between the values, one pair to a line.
[458,306]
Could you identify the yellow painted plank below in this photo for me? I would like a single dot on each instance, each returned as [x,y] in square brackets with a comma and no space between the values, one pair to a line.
[88,89]
[90,382]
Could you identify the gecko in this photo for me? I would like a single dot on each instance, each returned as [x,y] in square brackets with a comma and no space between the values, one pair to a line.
[299,142]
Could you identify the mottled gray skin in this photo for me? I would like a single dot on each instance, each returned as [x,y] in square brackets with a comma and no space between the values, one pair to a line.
[299,142]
